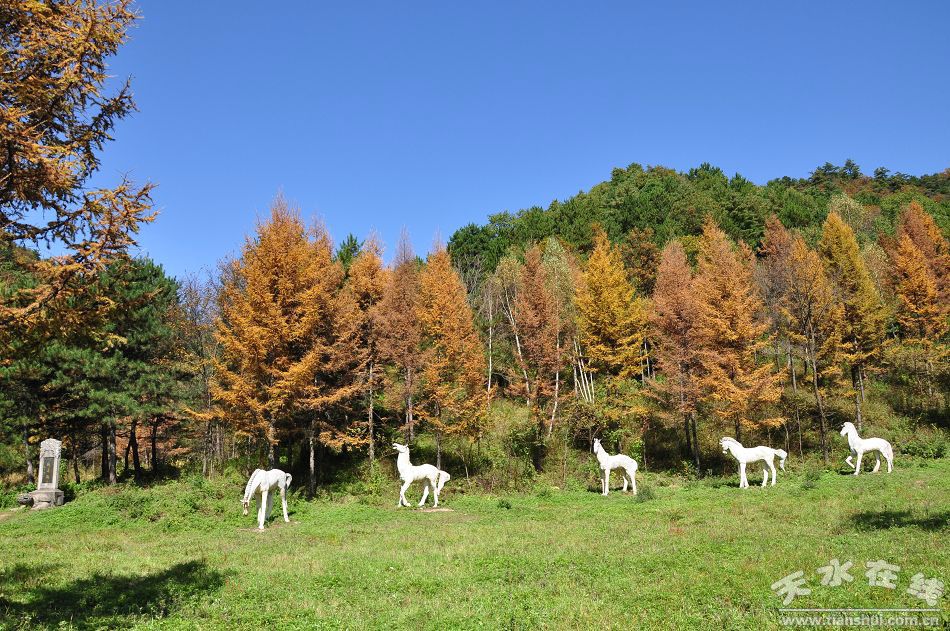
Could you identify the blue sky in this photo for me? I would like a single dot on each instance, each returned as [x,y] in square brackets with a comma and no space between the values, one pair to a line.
[375,116]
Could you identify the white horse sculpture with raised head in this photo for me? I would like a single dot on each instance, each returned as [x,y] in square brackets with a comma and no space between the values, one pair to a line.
[262,484]
[626,464]
[860,446]
[745,455]
[433,478]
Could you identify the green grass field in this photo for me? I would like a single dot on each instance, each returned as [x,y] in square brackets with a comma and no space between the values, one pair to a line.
[685,555]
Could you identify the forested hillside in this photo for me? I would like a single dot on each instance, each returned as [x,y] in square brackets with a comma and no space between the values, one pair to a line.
[643,207]
[658,322]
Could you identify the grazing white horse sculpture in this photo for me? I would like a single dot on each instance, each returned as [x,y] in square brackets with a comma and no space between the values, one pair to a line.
[607,463]
[860,446]
[262,483]
[434,478]
[745,455]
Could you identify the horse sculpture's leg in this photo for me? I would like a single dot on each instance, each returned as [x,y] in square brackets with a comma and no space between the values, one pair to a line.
[857,465]
[283,501]
[425,493]
[765,475]
[435,492]
[772,467]
[877,463]
[606,481]
[743,482]
[848,460]
[633,481]
[402,493]
[260,513]
[624,475]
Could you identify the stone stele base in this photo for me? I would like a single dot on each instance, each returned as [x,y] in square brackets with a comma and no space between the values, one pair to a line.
[46,498]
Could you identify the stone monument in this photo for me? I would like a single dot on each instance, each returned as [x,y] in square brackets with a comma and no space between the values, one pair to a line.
[47,493]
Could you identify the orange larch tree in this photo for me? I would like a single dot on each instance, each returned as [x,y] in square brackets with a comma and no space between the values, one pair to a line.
[921,229]
[55,118]
[286,333]
[673,322]
[398,329]
[731,333]
[366,282]
[923,317]
[453,361]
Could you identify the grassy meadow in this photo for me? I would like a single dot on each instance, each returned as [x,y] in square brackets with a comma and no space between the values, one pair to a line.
[683,554]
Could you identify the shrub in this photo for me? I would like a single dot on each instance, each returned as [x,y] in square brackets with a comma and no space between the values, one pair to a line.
[645,494]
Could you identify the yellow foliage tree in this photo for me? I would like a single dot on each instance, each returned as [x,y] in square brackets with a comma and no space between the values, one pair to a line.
[864,314]
[612,319]
[814,321]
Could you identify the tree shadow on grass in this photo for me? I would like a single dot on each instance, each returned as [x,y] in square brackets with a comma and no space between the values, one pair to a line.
[887,519]
[111,600]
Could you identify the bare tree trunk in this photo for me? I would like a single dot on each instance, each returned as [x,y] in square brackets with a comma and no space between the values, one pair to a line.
[855,371]
[410,434]
[113,478]
[509,312]
[798,418]
[154,441]
[557,386]
[125,456]
[312,470]
[369,419]
[134,446]
[491,332]
[696,460]
[438,449]
[104,453]
[75,454]
[819,403]
[30,474]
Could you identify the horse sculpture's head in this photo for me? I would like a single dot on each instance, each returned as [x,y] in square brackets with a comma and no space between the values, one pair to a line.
[244,505]
[597,447]
[724,443]
[847,428]
[403,449]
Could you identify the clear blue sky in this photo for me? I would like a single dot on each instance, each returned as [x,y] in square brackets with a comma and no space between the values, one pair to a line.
[433,115]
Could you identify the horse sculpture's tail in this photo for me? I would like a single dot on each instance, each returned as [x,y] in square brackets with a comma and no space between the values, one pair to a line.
[250,488]
[890,457]
[443,478]
[782,454]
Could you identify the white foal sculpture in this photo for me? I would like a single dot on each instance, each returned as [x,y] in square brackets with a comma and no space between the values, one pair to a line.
[607,463]
[262,484]
[860,446]
[433,478]
[745,455]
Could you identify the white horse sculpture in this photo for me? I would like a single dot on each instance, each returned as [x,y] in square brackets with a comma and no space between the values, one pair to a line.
[607,463]
[262,483]
[745,455]
[860,446]
[432,477]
